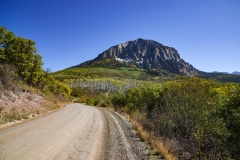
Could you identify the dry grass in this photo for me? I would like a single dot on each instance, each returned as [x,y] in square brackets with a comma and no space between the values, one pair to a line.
[160,148]
[10,117]
[141,133]
[127,117]
[156,143]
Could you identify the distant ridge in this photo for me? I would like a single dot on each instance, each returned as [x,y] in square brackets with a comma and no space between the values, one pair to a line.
[148,54]
[220,72]
[235,72]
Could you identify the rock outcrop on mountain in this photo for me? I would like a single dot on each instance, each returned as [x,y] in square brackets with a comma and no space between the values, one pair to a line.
[150,55]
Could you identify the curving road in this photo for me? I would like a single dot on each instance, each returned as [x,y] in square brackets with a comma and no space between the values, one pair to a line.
[75,132]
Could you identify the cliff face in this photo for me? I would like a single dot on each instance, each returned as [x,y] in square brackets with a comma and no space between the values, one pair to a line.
[149,54]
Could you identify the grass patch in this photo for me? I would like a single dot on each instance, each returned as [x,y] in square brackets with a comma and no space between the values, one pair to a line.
[160,148]
[10,117]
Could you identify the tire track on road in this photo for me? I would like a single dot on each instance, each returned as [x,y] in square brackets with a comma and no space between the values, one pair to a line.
[78,132]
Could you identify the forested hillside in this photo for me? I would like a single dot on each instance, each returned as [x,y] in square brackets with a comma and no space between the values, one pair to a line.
[21,71]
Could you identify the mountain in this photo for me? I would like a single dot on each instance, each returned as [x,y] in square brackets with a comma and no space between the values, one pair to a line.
[148,54]
[220,72]
[237,73]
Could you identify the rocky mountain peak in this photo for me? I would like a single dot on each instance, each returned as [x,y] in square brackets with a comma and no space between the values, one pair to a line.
[149,54]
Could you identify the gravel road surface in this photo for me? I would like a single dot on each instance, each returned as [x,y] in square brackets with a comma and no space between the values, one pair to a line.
[75,132]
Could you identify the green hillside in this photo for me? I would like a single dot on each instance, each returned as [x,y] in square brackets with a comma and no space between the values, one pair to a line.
[115,73]
[112,68]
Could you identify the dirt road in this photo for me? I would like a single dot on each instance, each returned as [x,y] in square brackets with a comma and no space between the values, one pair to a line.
[74,132]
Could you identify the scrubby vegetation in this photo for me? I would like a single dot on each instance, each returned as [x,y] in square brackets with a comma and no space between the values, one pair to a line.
[198,118]
[21,71]
[20,63]
[186,118]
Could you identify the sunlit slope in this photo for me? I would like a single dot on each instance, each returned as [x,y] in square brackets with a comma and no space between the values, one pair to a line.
[122,73]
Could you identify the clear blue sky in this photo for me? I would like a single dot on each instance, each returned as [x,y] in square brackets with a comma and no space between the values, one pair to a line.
[206,33]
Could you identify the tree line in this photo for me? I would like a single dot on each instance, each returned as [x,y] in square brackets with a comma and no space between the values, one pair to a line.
[104,84]
[20,56]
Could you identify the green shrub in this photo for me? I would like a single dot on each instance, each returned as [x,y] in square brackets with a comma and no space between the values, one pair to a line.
[81,100]
[94,101]
[8,77]
[106,103]
[118,100]
[78,92]
[90,101]
[230,112]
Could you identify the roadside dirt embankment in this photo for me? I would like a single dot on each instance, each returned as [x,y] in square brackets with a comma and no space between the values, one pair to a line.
[20,101]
